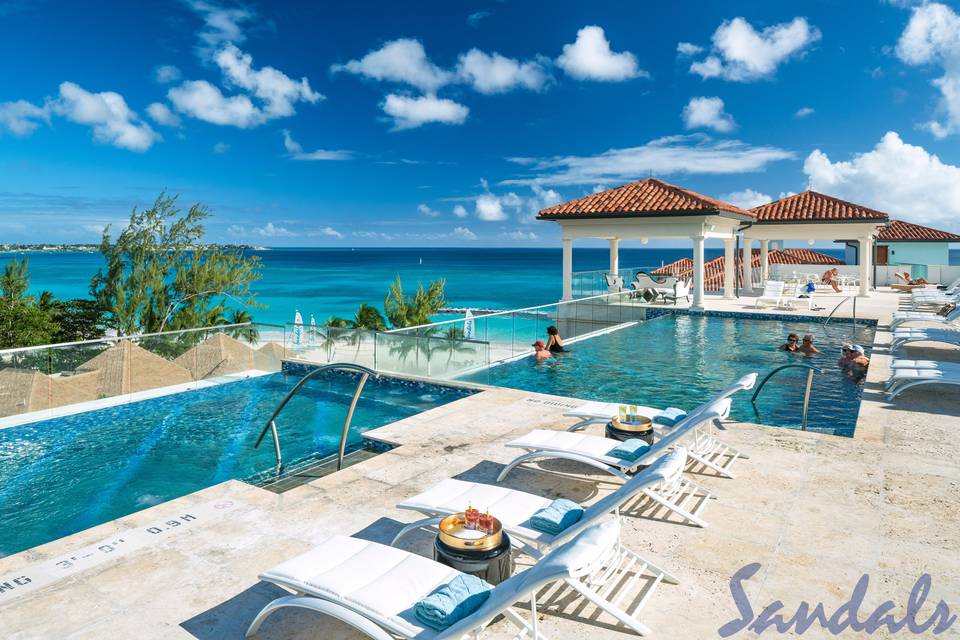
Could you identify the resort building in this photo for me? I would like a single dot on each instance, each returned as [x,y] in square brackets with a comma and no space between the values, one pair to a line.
[908,243]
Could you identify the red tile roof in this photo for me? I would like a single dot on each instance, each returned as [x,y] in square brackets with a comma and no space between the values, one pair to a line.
[900,231]
[714,269]
[811,206]
[650,197]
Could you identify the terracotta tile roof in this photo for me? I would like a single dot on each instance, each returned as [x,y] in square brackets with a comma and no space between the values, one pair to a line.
[811,206]
[650,197]
[713,269]
[900,231]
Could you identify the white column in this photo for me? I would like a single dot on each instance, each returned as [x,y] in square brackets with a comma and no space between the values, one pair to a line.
[866,260]
[567,269]
[746,263]
[697,272]
[614,255]
[728,271]
[764,262]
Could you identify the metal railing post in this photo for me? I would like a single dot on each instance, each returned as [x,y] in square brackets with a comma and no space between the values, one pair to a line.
[276,445]
[806,399]
[346,423]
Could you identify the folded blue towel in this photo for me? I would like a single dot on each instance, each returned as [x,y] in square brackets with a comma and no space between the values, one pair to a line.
[670,416]
[556,516]
[629,450]
[452,602]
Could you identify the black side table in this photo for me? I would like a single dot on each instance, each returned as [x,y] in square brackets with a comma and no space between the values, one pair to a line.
[494,566]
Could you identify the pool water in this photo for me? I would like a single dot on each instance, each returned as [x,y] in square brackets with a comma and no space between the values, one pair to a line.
[682,360]
[66,474]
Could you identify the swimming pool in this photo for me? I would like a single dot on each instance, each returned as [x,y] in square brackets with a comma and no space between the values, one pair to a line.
[66,474]
[681,360]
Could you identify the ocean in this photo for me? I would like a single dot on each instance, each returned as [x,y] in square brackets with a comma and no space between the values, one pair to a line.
[326,282]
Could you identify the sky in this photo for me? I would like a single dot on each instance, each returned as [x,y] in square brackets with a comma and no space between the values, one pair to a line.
[453,123]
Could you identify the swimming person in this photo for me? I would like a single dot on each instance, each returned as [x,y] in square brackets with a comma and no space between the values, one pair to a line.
[854,361]
[540,351]
[791,343]
[807,348]
[554,342]
[832,278]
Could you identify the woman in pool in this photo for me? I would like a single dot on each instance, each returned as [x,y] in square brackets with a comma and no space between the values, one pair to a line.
[540,351]
[807,347]
[854,357]
[791,343]
[554,341]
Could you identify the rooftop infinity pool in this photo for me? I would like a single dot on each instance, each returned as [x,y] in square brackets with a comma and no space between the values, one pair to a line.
[681,360]
[63,475]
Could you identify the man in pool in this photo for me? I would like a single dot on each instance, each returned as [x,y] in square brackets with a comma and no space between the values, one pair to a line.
[554,342]
[854,358]
[540,351]
[791,343]
[807,348]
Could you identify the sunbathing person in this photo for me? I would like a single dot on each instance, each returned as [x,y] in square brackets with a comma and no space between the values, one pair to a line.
[540,351]
[791,343]
[832,278]
[807,347]
[554,342]
[909,280]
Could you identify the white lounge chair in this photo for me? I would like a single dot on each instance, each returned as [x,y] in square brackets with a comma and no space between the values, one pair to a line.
[374,588]
[603,412]
[693,431]
[903,317]
[662,482]
[902,379]
[772,291]
[614,282]
[904,363]
[905,336]
[800,296]
[680,289]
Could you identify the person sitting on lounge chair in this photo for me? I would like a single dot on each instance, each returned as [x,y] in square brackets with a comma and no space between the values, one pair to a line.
[909,280]
[540,351]
[832,278]
[791,343]
[554,342]
[807,347]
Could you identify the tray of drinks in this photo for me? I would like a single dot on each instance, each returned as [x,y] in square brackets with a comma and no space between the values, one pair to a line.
[471,531]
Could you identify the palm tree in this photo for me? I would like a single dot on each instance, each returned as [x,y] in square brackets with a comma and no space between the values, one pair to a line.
[248,331]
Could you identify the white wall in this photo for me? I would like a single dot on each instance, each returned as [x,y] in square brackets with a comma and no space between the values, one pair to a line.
[936,273]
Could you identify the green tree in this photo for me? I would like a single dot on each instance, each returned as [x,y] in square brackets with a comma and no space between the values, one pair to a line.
[22,322]
[160,276]
[79,319]
[368,317]
[404,311]
[248,332]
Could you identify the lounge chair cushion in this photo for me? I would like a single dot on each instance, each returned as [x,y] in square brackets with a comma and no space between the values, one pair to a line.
[670,416]
[559,515]
[630,450]
[453,601]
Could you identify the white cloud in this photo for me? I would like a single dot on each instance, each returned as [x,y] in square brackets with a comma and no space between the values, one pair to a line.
[297,152]
[269,230]
[707,113]
[803,112]
[161,114]
[494,73]
[742,54]
[113,122]
[275,89]
[590,58]
[690,154]
[373,235]
[166,73]
[464,233]
[489,208]
[327,232]
[221,24]
[688,49]
[427,211]
[201,100]
[460,211]
[932,36]
[410,113]
[474,18]
[220,148]
[518,235]
[747,199]
[403,60]
[903,180]
[21,118]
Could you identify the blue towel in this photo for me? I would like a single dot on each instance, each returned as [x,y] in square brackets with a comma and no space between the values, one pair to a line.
[670,416]
[629,450]
[556,516]
[452,602]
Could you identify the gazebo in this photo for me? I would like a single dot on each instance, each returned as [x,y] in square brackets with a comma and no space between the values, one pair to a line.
[653,209]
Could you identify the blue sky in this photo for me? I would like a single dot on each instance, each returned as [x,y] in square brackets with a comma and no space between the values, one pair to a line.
[349,124]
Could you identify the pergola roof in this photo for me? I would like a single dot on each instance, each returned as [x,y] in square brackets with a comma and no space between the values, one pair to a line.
[646,198]
[811,206]
[900,231]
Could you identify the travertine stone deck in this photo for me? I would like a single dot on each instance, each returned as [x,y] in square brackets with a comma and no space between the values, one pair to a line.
[816,511]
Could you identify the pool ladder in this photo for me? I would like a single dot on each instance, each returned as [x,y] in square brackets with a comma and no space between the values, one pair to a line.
[806,394]
[272,421]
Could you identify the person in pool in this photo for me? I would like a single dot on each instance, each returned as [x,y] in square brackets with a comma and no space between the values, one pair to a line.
[554,341]
[540,351]
[807,348]
[854,357]
[791,343]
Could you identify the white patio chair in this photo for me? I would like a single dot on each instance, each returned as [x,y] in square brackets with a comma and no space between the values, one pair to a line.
[375,588]
[800,296]
[905,336]
[904,317]
[902,379]
[681,289]
[772,291]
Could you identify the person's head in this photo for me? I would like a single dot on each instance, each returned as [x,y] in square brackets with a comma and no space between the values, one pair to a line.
[538,345]
[808,339]
[858,350]
[847,351]
[793,338]
[552,331]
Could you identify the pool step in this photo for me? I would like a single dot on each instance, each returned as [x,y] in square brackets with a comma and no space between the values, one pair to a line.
[311,470]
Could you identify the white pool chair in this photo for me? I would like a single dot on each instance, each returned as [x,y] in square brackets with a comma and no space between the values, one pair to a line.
[902,337]
[603,412]
[662,482]
[374,588]
[904,363]
[903,317]
[772,292]
[693,432]
[902,379]
[800,296]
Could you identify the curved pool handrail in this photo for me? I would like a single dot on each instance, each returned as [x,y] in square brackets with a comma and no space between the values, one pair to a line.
[806,394]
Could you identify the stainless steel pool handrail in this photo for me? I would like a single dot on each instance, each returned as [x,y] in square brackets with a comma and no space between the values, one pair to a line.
[806,394]
[830,316]
[271,424]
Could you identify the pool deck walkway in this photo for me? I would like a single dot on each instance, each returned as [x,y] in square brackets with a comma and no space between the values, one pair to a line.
[816,511]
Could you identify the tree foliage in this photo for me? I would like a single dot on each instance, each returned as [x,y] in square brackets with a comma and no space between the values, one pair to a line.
[23,322]
[404,311]
[160,276]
